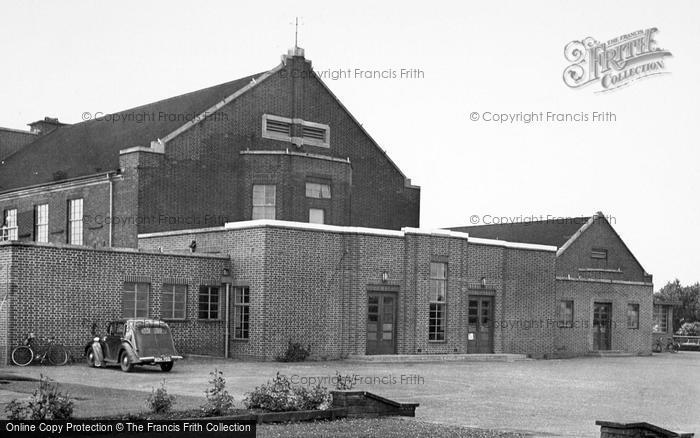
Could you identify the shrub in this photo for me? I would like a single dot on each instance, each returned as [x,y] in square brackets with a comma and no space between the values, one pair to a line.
[46,403]
[295,353]
[344,383]
[689,329]
[219,401]
[160,401]
[280,395]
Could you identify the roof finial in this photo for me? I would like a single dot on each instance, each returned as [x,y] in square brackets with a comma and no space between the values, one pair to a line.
[296,33]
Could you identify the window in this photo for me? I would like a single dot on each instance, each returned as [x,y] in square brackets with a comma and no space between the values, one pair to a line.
[632,316]
[264,201]
[135,300]
[277,128]
[173,301]
[316,216]
[438,295]
[318,190]
[566,314]
[41,223]
[660,318]
[9,226]
[599,253]
[209,302]
[75,221]
[300,132]
[241,312]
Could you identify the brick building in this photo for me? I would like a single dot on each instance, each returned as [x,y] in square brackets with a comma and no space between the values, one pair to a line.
[259,212]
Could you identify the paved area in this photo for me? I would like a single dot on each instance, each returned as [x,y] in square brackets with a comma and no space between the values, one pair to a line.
[547,398]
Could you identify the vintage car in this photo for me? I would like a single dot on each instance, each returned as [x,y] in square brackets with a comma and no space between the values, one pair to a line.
[133,342]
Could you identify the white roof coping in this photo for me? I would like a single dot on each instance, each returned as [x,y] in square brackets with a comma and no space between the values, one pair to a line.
[353,230]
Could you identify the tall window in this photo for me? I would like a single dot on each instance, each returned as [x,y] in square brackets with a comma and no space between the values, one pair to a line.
[75,221]
[241,315]
[264,201]
[566,314]
[208,302]
[9,226]
[633,316]
[135,300]
[41,223]
[660,319]
[438,307]
[173,301]
[318,190]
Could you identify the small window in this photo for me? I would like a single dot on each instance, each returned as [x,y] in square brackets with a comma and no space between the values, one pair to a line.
[316,216]
[264,200]
[566,314]
[173,301]
[9,226]
[437,310]
[632,316]
[135,300]
[599,254]
[75,221]
[241,312]
[315,134]
[208,302]
[41,223]
[318,190]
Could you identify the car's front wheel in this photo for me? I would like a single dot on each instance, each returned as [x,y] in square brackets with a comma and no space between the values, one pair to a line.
[125,363]
[166,366]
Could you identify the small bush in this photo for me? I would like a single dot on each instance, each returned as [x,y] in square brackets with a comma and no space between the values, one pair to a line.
[160,402]
[295,353]
[46,403]
[344,382]
[219,401]
[280,395]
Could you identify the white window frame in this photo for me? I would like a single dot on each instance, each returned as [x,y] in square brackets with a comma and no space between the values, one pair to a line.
[41,223]
[75,221]
[323,215]
[311,193]
[9,227]
[264,206]
[138,289]
[172,290]
[325,143]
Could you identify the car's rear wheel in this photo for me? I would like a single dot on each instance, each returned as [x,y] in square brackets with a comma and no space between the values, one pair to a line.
[90,358]
[166,366]
[125,363]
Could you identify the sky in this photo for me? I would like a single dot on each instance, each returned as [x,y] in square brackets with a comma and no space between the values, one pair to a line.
[639,168]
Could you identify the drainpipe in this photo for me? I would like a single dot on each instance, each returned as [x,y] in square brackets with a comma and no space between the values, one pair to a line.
[111,207]
[228,326]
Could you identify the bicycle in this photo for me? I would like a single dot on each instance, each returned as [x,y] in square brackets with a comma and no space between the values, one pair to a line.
[55,353]
[670,346]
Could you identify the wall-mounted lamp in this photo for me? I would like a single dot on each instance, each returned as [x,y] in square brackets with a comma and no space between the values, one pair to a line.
[385,277]
[483,281]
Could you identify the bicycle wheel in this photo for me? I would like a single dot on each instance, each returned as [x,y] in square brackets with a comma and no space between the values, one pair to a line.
[57,354]
[22,356]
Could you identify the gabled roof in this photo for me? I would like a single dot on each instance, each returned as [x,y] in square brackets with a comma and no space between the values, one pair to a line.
[91,147]
[554,232]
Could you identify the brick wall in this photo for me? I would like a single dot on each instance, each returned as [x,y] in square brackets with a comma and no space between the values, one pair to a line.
[204,175]
[600,235]
[579,339]
[311,285]
[95,194]
[62,291]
